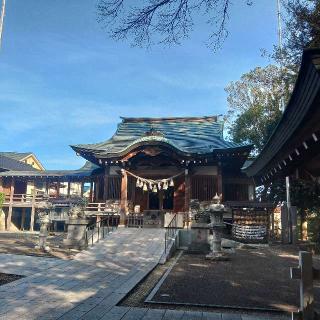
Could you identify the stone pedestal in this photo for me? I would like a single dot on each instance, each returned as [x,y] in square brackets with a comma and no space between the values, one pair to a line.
[199,237]
[76,236]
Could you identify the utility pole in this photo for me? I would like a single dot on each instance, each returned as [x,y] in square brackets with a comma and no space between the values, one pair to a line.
[3,8]
[282,106]
[279,28]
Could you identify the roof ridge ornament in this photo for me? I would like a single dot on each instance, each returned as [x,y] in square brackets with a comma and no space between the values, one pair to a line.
[154,132]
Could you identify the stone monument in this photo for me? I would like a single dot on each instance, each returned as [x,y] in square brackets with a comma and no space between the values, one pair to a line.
[44,228]
[199,228]
[216,211]
[76,224]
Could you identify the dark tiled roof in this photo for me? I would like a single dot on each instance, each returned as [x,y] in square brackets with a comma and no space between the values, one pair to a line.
[298,112]
[192,135]
[7,163]
[86,171]
[16,155]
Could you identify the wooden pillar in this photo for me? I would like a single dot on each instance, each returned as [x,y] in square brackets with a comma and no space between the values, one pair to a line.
[97,189]
[106,183]
[160,194]
[91,191]
[124,197]
[9,218]
[33,209]
[47,187]
[187,192]
[219,182]
[23,218]
[69,188]
[81,189]
[58,189]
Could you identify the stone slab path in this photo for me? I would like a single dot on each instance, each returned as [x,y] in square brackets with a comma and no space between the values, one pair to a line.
[91,285]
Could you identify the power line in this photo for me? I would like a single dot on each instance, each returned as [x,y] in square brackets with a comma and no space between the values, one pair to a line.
[2,19]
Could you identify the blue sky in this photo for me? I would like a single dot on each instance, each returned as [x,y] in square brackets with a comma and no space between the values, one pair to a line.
[63,81]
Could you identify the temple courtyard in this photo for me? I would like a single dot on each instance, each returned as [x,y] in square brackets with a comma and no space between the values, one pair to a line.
[105,281]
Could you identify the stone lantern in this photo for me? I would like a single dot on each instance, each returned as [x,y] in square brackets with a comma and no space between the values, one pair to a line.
[44,228]
[216,211]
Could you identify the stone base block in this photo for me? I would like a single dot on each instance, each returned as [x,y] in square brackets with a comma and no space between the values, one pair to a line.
[199,239]
[74,244]
[219,256]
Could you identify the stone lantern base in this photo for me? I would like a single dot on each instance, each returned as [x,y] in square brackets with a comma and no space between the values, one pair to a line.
[199,238]
[76,236]
[221,256]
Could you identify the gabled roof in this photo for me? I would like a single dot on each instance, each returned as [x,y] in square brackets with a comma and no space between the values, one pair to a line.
[86,171]
[298,116]
[7,163]
[188,135]
[21,156]
[16,155]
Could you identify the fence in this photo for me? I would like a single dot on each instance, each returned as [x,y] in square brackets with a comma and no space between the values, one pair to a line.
[99,229]
[170,234]
[134,220]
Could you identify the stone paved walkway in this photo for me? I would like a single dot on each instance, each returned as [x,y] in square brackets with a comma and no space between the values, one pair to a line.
[90,286]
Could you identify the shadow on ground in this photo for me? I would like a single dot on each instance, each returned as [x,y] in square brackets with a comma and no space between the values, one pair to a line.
[253,278]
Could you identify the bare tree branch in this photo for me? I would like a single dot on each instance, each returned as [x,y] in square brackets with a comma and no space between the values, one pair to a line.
[163,21]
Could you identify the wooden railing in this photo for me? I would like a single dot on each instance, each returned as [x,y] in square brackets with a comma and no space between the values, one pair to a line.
[96,206]
[24,198]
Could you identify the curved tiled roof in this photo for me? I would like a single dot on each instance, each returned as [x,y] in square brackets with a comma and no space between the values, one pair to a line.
[193,135]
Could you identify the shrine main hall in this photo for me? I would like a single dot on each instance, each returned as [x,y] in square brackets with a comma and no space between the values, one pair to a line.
[163,163]
[151,164]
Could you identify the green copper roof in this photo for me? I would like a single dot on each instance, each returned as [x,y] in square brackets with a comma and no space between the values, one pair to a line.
[192,135]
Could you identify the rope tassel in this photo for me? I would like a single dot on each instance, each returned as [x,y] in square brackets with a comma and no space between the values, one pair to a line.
[154,185]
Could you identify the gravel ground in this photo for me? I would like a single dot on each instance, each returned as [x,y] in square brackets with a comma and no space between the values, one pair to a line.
[24,243]
[136,298]
[253,278]
[6,278]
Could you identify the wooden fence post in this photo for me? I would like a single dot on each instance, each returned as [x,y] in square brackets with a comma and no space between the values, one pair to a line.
[306,274]
[284,225]
[33,208]
[9,218]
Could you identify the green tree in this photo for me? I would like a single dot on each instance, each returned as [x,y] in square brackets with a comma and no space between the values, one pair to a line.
[2,196]
[302,30]
[305,195]
[254,105]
